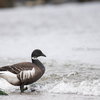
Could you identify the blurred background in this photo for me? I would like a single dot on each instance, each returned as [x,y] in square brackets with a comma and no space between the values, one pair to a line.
[11,3]
[63,26]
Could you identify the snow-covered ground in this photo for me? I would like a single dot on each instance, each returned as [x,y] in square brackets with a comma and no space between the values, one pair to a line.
[68,34]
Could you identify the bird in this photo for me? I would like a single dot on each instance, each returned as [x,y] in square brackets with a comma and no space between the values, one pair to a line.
[24,73]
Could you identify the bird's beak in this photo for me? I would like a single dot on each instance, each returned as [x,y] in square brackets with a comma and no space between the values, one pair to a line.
[43,55]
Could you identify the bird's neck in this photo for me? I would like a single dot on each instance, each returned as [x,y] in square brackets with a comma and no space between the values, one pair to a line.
[39,64]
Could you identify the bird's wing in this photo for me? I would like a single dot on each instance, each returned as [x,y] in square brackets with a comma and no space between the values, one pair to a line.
[17,68]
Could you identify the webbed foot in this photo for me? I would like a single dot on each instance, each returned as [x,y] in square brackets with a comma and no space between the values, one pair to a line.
[32,90]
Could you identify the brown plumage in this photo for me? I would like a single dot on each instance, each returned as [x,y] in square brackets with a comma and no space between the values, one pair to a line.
[24,73]
[17,68]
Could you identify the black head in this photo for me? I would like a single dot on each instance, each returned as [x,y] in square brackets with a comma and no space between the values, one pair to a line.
[36,53]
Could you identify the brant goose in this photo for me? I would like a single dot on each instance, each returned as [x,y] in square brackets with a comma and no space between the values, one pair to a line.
[24,73]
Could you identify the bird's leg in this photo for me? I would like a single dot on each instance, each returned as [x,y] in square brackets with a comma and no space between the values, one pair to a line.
[22,88]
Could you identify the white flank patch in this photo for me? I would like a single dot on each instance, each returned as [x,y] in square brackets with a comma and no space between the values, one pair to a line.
[27,74]
[10,77]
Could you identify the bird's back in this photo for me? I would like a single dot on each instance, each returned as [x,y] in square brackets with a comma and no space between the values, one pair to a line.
[25,72]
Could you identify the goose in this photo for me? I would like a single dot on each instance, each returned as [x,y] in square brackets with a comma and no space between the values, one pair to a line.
[24,73]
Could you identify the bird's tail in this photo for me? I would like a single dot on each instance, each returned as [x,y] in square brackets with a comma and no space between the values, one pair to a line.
[1,70]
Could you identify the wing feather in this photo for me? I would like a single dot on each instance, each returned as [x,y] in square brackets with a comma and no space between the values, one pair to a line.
[17,68]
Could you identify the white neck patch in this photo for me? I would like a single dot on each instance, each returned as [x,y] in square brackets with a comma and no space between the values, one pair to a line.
[33,58]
